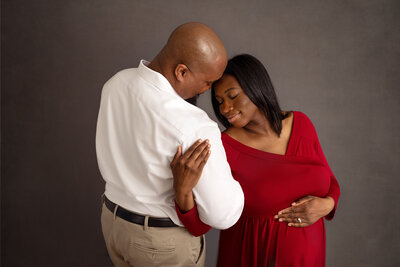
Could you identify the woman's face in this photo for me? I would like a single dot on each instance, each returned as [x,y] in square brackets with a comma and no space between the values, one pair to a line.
[234,104]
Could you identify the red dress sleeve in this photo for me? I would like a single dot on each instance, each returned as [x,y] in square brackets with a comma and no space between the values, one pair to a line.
[192,222]
[334,190]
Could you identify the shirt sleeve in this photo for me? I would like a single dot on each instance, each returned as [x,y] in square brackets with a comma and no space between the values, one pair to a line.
[334,189]
[218,196]
[192,222]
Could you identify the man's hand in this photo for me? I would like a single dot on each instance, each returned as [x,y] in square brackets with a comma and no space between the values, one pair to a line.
[306,211]
[187,169]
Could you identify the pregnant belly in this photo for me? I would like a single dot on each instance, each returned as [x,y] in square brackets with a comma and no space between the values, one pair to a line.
[274,188]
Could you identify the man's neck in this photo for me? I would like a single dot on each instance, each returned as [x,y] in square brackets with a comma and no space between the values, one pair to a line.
[155,65]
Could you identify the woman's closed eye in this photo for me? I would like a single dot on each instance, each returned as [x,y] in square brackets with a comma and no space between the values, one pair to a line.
[220,100]
[233,96]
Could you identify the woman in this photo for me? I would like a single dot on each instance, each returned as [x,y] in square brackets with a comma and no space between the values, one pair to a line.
[277,159]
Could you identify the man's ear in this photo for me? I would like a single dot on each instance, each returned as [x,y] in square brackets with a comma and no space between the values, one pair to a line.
[181,72]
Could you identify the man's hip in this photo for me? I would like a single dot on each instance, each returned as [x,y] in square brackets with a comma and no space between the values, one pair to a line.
[137,243]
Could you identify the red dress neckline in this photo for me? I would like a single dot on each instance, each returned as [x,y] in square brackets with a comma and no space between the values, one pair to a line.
[257,152]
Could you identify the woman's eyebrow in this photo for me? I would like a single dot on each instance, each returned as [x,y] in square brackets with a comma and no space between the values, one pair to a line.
[227,90]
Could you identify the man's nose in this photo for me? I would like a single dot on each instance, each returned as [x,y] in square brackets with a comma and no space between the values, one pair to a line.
[204,89]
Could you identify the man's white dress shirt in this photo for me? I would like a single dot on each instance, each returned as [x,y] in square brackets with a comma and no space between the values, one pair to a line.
[141,123]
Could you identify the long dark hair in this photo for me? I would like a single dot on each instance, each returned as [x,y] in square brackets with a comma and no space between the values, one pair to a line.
[256,84]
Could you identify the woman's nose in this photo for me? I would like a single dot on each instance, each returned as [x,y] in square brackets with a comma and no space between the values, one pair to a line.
[226,107]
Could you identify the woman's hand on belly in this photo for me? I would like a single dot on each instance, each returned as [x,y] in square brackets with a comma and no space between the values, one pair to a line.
[306,211]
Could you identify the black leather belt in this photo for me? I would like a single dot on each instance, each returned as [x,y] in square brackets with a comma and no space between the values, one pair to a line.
[136,218]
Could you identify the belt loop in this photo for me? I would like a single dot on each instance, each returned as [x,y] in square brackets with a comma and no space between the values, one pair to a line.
[115,211]
[146,223]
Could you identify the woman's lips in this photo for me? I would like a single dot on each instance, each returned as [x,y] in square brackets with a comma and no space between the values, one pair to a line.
[232,118]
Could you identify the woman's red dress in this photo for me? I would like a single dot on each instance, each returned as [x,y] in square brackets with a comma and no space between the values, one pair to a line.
[270,183]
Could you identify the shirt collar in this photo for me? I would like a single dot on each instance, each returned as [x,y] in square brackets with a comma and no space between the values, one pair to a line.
[154,77]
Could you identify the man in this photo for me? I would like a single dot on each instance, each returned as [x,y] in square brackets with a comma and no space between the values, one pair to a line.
[143,118]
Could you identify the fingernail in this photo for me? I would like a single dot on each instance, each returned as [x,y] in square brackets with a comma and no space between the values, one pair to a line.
[294,203]
[276,216]
[289,224]
[198,141]
[280,220]
[208,141]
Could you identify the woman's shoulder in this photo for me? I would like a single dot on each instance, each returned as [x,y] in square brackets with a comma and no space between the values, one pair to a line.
[231,146]
[304,125]
[301,116]
[233,132]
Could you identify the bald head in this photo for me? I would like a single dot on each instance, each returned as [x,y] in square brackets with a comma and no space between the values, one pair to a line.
[193,54]
[195,44]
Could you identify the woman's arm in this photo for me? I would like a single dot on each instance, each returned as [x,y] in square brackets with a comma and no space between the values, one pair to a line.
[334,189]
[187,169]
[192,221]
[311,208]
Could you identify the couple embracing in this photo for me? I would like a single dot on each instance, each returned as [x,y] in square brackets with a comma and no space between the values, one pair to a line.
[171,174]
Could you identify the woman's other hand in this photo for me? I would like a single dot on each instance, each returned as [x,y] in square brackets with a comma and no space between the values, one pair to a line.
[187,169]
[306,211]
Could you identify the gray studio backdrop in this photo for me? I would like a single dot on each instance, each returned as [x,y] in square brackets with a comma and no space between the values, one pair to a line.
[337,61]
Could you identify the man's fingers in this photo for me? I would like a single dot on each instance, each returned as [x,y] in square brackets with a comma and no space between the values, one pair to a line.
[177,155]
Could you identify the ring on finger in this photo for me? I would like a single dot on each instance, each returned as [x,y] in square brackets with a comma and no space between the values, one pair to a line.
[299,220]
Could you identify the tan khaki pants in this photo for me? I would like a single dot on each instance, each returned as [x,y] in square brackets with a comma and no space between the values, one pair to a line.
[130,244]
